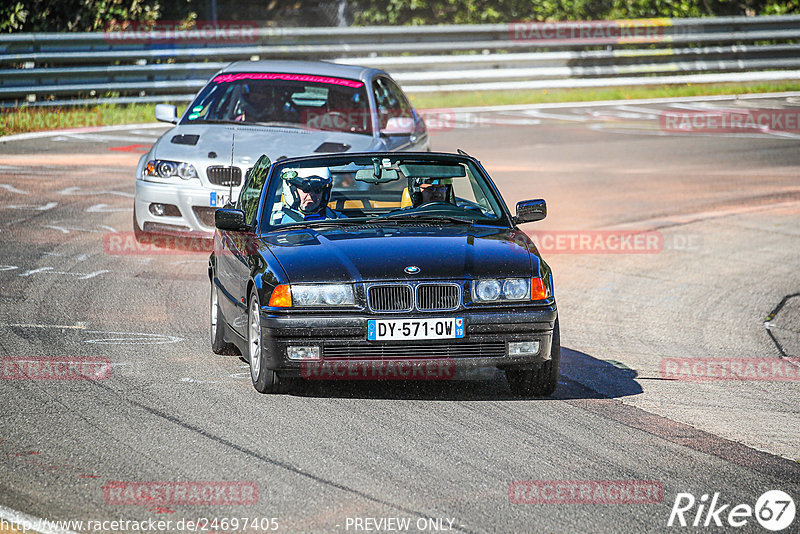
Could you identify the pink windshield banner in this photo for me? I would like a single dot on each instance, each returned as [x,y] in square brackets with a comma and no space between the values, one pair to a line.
[226,78]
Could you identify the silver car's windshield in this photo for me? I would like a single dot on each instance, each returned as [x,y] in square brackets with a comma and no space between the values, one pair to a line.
[390,190]
[284,100]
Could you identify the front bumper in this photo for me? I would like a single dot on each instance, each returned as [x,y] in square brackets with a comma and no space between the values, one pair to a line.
[193,200]
[343,341]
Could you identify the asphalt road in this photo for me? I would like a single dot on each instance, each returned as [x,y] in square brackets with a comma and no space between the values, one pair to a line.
[342,457]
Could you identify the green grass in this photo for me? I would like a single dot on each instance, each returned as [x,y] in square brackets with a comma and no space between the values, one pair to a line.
[542,96]
[31,119]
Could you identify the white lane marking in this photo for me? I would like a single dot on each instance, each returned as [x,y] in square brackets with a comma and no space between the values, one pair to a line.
[100,138]
[598,103]
[197,381]
[104,208]
[8,267]
[35,271]
[68,229]
[27,522]
[13,189]
[79,191]
[54,133]
[54,227]
[80,325]
[116,338]
[49,270]
[48,206]
[700,216]
[132,338]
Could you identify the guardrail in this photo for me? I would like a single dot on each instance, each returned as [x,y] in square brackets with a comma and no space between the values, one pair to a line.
[59,68]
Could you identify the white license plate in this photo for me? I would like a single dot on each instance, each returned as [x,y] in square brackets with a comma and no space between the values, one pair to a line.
[217,200]
[398,329]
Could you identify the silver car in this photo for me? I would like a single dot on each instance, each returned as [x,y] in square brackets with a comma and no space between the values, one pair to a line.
[278,108]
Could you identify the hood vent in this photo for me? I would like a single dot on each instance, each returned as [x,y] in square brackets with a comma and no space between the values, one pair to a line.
[185,139]
[332,147]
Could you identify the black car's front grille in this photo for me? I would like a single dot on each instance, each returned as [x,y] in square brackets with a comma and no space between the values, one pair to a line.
[382,351]
[227,176]
[389,298]
[438,297]
[405,297]
[205,215]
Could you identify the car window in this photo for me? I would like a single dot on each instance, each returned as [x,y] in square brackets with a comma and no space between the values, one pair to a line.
[390,101]
[288,100]
[251,191]
[350,190]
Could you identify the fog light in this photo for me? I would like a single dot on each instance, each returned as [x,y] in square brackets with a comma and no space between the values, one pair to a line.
[303,353]
[523,348]
[160,210]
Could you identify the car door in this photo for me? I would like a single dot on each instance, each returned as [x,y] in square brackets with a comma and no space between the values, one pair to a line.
[237,247]
[400,126]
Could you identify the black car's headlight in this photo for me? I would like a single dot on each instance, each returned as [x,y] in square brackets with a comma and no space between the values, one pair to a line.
[509,289]
[302,295]
[162,168]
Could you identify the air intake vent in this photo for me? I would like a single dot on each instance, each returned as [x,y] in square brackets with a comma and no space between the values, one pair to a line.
[185,139]
[432,297]
[227,176]
[390,298]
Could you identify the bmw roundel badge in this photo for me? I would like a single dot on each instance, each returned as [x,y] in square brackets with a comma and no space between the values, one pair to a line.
[412,269]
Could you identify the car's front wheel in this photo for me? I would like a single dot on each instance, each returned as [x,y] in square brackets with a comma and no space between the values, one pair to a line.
[218,344]
[542,380]
[264,380]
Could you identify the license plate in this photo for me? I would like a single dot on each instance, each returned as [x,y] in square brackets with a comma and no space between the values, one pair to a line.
[399,329]
[217,200]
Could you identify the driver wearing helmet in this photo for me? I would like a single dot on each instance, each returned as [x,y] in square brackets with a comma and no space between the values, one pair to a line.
[306,193]
[428,190]
[254,103]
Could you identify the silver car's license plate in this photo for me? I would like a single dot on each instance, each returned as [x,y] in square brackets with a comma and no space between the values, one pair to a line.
[400,329]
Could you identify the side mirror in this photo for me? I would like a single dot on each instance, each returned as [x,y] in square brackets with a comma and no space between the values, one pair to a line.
[530,211]
[230,219]
[166,113]
[399,126]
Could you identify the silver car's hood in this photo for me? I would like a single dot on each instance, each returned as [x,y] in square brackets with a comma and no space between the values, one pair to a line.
[213,144]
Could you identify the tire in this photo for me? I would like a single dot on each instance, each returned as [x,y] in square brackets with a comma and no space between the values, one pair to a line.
[542,380]
[264,380]
[217,323]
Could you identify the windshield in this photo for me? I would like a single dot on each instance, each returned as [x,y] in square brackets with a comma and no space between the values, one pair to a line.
[396,189]
[288,100]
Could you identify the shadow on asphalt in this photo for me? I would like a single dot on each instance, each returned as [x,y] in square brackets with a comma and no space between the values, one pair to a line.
[582,377]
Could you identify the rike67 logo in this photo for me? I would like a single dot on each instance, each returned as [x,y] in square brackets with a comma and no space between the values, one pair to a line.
[774,510]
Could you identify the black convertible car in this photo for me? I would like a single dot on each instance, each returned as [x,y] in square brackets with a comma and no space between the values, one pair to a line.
[380,266]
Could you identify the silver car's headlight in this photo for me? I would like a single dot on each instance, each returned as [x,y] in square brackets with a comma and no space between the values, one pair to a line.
[323,295]
[491,290]
[167,169]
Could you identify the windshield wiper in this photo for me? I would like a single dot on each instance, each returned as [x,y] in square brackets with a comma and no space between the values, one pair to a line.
[251,123]
[324,222]
[427,217]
